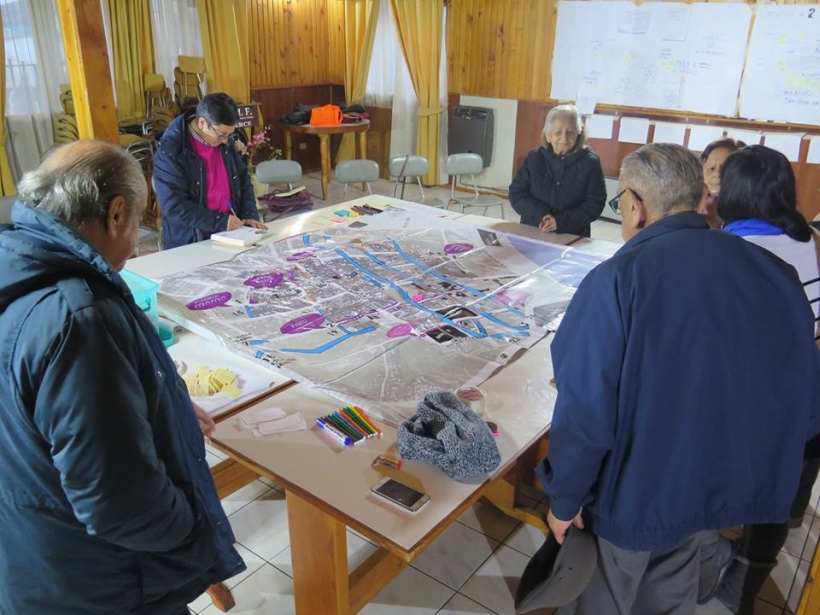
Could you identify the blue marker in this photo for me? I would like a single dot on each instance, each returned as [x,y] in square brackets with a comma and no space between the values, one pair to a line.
[333,431]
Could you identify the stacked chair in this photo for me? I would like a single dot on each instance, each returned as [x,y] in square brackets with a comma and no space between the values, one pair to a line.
[65,128]
[188,79]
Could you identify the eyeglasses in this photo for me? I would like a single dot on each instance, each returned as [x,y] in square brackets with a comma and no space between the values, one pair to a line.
[615,203]
[219,134]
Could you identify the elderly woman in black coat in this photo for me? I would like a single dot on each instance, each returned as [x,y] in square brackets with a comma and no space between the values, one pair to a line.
[560,187]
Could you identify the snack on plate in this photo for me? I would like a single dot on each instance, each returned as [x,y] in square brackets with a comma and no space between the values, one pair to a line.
[205,382]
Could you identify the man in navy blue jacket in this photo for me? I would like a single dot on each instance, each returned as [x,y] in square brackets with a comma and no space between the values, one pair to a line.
[687,388]
[107,504]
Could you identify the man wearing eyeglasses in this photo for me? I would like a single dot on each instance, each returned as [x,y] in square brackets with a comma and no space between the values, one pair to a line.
[687,386]
[201,182]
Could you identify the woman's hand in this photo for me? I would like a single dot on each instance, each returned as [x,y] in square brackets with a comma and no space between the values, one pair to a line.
[548,224]
[254,224]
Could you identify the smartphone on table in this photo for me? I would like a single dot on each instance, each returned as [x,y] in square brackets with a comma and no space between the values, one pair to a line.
[400,494]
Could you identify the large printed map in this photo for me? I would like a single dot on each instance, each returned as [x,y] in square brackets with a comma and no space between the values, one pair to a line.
[384,309]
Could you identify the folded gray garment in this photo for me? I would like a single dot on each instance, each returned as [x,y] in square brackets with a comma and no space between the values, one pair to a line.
[446,433]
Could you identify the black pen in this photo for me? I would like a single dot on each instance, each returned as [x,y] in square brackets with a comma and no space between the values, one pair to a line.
[372,209]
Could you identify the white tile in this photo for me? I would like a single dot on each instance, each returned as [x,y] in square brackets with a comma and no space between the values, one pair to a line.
[796,540]
[244,496]
[494,584]
[253,563]
[462,605]
[270,483]
[412,592]
[358,550]
[797,587]
[266,592]
[455,555]
[262,525]
[811,540]
[779,584]
[526,539]
[488,520]
[215,451]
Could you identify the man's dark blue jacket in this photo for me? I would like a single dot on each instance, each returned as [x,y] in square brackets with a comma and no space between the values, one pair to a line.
[181,186]
[107,504]
[687,380]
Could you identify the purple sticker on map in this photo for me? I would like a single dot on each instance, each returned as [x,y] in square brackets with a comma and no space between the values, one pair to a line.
[209,301]
[303,323]
[513,297]
[265,280]
[299,256]
[457,248]
[401,330]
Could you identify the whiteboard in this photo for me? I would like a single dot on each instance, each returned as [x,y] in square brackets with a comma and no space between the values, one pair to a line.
[782,79]
[684,57]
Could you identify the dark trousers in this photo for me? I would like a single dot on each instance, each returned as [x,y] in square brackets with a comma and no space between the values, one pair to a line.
[641,582]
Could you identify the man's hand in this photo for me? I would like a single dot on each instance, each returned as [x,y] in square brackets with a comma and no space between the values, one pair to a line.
[559,528]
[234,223]
[206,423]
[548,224]
[254,223]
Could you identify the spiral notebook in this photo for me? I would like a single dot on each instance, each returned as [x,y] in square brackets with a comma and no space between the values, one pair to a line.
[241,237]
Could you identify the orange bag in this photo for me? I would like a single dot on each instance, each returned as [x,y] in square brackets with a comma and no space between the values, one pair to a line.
[329,115]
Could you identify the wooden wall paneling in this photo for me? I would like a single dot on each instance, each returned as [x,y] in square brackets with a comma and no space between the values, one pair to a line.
[278,101]
[500,48]
[290,42]
[336,41]
[530,122]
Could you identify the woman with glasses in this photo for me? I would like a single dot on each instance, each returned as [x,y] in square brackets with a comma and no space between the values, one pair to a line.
[201,182]
[560,187]
[758,202]
[713,158]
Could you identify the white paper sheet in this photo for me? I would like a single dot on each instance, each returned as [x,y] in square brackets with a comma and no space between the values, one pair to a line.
[587,98]
[701,136]
[786,142]
[668,132]
[633,130]
[814,150]
[600,126]
[749,137]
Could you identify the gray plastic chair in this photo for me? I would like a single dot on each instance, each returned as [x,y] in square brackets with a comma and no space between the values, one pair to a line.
[355,171]
[469,164]
[408,165]
[279,172]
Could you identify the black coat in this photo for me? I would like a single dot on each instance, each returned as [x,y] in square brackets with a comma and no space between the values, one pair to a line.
[570,187]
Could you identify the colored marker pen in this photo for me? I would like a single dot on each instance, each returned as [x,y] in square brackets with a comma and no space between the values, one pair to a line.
[322,424]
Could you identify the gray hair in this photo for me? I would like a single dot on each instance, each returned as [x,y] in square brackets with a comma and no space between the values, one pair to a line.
[666,176]
[571,113]
[76,182]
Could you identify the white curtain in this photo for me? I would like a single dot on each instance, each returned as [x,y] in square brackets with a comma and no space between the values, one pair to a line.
[176,33]
[389,86]
[35,68]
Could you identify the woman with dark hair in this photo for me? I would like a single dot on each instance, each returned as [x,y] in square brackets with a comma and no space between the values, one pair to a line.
[560,187]
[713,158]
[758,202]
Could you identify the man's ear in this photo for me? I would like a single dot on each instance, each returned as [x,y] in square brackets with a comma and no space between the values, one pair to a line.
[117,216]
[640,215]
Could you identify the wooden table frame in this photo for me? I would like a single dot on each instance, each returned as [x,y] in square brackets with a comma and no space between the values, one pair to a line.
[324,133]
[322,582]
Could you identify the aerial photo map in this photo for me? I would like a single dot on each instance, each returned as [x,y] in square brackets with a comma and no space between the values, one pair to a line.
[381,312]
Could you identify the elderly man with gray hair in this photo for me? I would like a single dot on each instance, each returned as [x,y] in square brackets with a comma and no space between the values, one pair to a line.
[106,502]
[675,415]
[560,187]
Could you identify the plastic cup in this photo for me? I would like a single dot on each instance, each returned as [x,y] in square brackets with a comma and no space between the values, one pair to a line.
[474,397]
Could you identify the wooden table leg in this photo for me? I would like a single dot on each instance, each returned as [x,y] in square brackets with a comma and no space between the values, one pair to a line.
[362,138]
[221,597]
[324,151]
[288,146]
[318,546]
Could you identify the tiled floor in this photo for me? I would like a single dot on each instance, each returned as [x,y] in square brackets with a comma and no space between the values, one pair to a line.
[474,567]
